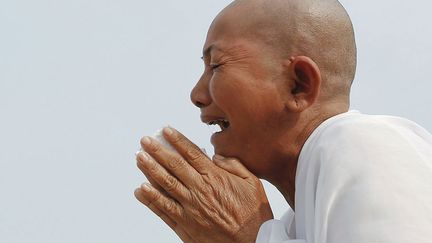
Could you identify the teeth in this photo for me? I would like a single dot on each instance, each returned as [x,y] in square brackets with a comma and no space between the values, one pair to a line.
[222,124]
[215,129]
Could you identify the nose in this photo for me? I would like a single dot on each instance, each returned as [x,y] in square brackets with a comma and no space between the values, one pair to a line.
[200,95]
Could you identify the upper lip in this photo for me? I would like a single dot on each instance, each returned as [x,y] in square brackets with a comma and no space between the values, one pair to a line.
[208,119]
[216,120]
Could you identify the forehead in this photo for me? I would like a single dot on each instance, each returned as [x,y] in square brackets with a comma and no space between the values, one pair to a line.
[227,35]
[242,25]
[226,23]
[237,49]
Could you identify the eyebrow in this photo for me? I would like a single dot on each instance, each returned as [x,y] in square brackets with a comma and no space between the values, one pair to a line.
[208,50]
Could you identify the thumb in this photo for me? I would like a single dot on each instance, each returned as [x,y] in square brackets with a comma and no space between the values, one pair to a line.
[232,165]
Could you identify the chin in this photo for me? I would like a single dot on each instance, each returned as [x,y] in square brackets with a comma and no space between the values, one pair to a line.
[223,152]
[250,161]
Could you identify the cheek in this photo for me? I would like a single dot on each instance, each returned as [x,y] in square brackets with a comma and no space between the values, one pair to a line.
[223,90]
[249,103]
[261,104]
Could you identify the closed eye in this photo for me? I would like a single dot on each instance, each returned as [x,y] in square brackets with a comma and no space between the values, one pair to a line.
[214,66]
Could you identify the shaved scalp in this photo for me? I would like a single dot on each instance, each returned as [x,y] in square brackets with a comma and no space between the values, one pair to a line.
[319,29]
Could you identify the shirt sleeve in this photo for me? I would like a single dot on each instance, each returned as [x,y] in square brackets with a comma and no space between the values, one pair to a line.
[273,231]
[278,231]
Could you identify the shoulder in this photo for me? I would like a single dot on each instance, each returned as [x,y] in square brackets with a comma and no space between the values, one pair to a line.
[358,144]
[372,168]
[354,131]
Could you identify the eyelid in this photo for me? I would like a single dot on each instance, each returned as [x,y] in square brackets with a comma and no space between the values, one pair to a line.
[215,65]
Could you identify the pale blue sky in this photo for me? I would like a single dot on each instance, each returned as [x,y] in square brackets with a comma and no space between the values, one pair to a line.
[82,81]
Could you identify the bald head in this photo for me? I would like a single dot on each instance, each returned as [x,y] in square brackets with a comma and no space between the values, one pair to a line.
[319,29]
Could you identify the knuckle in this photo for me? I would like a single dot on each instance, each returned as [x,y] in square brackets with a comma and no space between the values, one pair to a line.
[193,154]
[169,207]
[175,164]
[155,197]
[175,138]
[155,148]
[171,183]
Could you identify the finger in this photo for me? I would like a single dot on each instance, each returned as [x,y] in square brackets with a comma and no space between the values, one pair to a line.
[139,195]
[171,161]
[162,177]
[192,153]
[167,219]
[152,182]
[233,166]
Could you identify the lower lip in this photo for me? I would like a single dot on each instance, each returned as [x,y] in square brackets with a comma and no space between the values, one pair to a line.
[216,136]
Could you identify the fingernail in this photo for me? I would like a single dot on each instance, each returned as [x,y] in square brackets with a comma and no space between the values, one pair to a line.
[139,151]
[146,141]
[145,187]
[168,131]
[219,157]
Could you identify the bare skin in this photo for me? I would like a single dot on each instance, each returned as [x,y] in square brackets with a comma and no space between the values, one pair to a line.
[274,75]
[202,200]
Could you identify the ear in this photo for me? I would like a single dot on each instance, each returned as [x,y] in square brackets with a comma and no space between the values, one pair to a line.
[305,83]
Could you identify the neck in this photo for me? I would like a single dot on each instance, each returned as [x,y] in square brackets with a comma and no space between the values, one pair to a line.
[283,175]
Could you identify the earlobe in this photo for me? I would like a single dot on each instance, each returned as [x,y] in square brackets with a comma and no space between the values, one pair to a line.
[306,82]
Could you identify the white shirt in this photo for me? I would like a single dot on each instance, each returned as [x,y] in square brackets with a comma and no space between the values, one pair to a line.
[360,179]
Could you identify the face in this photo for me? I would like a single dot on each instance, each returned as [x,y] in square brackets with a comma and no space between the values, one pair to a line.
[241,90]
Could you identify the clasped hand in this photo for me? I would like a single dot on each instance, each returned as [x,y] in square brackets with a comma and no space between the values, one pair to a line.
[200,199]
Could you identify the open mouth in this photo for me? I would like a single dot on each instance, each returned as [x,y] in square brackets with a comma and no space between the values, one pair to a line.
[221,124]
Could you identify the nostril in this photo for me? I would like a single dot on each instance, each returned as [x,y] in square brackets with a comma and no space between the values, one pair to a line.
[199,104]
[199,100]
